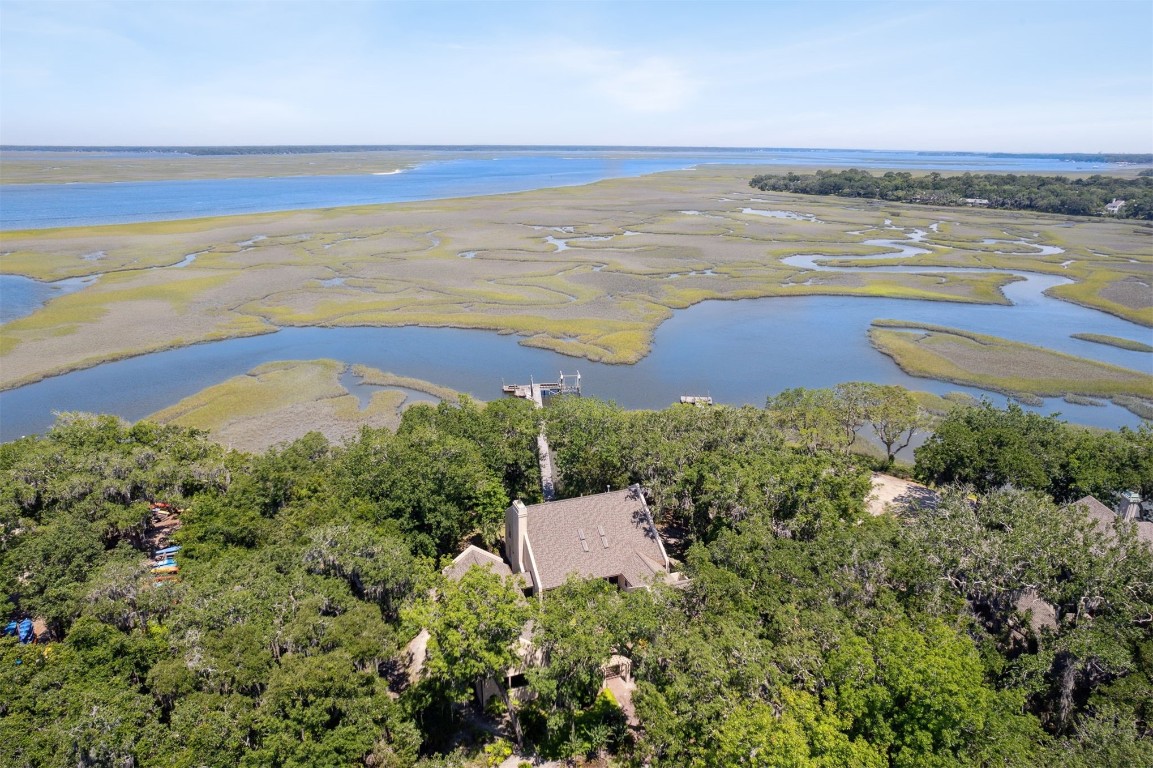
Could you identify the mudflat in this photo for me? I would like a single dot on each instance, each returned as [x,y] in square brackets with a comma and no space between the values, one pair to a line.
[282,401]
[31,167]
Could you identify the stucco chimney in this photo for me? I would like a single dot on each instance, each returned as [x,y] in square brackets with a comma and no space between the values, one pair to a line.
[1129,506]
[515,530]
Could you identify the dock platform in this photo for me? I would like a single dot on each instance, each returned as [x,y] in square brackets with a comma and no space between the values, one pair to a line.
[569,384]
[566,384]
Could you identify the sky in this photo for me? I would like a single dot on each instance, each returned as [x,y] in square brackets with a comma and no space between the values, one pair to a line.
[969,75]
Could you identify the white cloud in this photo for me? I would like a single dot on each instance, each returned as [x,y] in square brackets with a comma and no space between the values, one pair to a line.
[646,84]
[650,85]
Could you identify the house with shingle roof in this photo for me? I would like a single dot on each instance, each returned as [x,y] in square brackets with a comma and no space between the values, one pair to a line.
[605,536]
[474,555]
[1129,509]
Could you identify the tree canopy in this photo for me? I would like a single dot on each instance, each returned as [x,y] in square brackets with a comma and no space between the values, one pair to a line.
[999,627]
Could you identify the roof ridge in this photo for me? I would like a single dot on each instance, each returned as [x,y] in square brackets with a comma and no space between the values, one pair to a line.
[653,565]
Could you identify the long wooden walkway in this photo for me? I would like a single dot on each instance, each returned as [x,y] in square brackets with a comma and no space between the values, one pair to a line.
[536,391]
[547,474]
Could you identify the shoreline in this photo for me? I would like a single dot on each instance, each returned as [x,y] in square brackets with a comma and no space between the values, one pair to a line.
[37,166]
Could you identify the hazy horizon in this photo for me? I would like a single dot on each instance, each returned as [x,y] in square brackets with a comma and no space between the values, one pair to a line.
[221,149]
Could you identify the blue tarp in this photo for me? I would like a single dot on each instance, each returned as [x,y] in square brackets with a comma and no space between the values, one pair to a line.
[10,629]
[166,551]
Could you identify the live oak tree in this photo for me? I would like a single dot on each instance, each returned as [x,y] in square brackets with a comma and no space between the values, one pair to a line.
[831,419]
[987,447]
[472,624]
[894,417]
[580,626]
[589,440]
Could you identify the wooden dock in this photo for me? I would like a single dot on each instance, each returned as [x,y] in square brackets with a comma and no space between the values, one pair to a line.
[547,473]
[564,385]
[526,391]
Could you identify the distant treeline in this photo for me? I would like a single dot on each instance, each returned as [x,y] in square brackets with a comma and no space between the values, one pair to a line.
[1028,192]
[1078,157]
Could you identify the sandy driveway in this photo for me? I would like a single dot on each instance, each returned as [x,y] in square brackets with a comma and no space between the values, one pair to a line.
[892,494]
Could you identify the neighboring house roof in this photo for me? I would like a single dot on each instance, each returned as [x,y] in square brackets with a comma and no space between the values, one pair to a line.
[602,536]
[1145,532]
[1106,520]
[473,555]
[1042,614]
[1102,514]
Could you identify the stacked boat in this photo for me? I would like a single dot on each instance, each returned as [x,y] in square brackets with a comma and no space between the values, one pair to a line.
[164,567]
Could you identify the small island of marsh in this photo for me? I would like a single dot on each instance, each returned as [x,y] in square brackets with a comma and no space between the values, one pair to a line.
[282,401]
[1114,341]
[1004,366]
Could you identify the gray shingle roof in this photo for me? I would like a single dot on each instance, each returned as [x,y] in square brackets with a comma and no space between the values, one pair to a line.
[619,539]
[1098,511]
[1145,532]
[1107,519]
[473,555]
[1043,614]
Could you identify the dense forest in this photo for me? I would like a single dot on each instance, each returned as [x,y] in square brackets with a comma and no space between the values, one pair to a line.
[811,634]
[1019,192]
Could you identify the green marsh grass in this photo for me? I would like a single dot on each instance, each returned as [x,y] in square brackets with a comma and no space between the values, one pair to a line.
[1001,365]
[265,388]
[1113,341]
[401,265]
[283,400]
[1089,294]
[385,379]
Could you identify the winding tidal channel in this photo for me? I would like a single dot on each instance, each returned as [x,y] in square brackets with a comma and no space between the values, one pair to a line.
[735,351]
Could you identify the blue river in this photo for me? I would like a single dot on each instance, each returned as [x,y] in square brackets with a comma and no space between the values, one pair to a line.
[38,206]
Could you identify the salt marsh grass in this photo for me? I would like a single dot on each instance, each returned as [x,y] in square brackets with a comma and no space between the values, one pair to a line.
[281,401]
[1114,341]
[399,265]
[1000,365]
